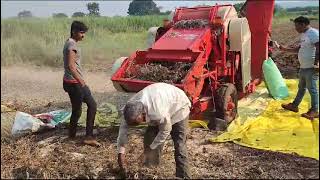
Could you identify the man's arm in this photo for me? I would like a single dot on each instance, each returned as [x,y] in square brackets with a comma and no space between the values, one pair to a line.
[316,62]
[157,37]
[73,68]
[164,132]
[158,33]
[292,50]
[122,140]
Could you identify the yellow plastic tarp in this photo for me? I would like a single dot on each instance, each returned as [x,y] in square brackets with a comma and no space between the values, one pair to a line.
[198,124]
[274,128]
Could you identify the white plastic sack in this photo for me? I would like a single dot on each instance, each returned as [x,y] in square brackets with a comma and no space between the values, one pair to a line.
[25,123]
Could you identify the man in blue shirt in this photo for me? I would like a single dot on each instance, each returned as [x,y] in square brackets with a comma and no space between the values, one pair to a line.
[308,55]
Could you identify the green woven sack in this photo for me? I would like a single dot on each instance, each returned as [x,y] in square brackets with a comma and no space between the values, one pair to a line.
[274,81]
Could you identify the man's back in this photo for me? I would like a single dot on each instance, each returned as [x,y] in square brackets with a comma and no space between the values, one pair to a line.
[161,99]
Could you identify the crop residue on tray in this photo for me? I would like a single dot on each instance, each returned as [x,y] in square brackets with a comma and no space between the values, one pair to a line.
[168,72]
[191,24]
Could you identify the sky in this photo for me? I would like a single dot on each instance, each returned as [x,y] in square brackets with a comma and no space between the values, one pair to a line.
[111,8]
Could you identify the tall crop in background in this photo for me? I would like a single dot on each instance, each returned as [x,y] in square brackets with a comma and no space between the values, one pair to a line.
[40,41]
[59,15]
[78,14]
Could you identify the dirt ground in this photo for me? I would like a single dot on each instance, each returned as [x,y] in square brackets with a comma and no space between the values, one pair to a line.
[52,155]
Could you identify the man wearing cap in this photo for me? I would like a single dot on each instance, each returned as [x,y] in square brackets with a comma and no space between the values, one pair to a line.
[162,30]
[165,109]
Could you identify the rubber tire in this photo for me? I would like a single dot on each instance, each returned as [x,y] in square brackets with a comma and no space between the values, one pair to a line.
[223,92]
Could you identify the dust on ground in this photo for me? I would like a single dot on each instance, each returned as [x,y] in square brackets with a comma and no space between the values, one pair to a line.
[52,155]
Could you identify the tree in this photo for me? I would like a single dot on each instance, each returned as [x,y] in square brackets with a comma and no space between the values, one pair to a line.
[78,14]
[279,10]
[165,13]
[297,9]
[238,6]
[59,15]
[25,14]
[145,7]
[93,9]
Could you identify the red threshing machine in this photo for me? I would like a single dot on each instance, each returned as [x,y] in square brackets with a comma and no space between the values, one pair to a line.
[226,54]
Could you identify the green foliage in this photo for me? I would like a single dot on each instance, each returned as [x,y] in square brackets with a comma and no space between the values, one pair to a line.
[24,14]
[145,7]
[93,9]
[307,8]
[165,13]
[279,10]
[78,14]
[40,41]
[238,6]
[59,15]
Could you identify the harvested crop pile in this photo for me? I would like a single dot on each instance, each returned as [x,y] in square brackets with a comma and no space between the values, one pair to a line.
[51,155]
[190,24]
[168,72]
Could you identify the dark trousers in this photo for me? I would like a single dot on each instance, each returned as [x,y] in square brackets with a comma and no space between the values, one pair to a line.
[78,95]
[179,137]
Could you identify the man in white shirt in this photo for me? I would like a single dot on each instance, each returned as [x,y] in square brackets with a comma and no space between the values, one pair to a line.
[308,55]
[165,108]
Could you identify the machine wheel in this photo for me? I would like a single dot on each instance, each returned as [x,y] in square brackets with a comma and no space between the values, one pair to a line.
[226,102]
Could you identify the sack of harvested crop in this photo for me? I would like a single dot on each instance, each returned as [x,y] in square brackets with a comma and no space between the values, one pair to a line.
[26,123]
[276,86]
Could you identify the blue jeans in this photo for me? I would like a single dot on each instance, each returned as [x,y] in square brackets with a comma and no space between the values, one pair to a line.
[308,80]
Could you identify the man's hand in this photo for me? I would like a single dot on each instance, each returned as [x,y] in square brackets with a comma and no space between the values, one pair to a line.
[121,160]
[282,48]
[122,165]
[276,44]
[82,83]
[316,67]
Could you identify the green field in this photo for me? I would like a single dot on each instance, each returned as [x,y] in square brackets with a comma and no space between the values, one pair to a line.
[39,41]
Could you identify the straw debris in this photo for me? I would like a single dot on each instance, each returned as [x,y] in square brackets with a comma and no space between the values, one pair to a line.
[168,72]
